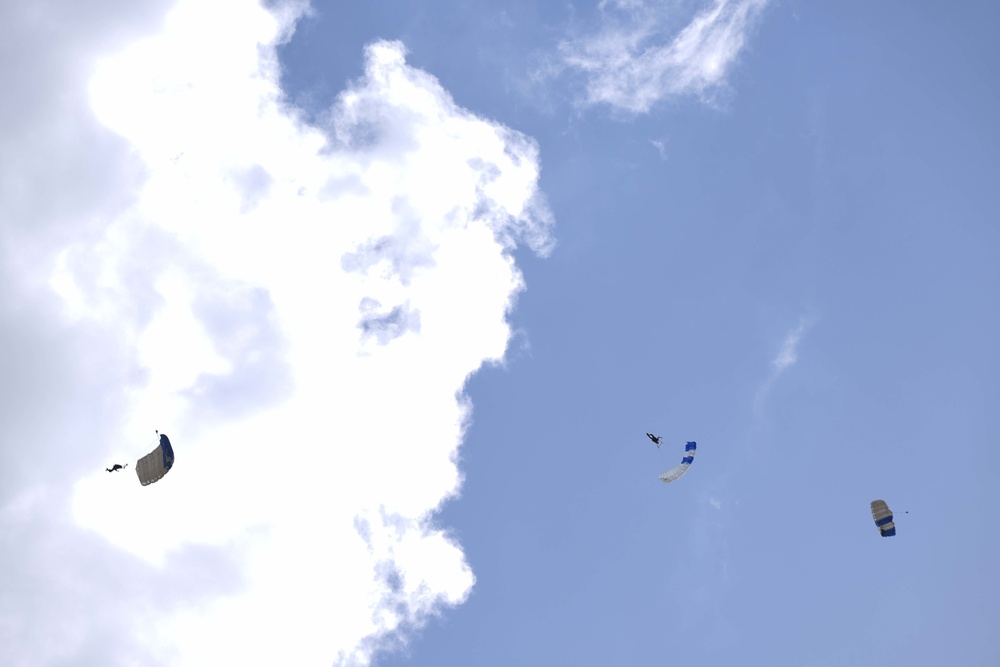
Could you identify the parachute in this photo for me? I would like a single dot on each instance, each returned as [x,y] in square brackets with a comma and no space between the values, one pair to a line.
[157,463]
[675,472]
[883,518]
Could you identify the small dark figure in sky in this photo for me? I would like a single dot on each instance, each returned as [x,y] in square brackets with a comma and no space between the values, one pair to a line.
[655,438]
[116,466]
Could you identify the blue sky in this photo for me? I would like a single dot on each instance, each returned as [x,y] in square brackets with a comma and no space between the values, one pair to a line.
[407,282]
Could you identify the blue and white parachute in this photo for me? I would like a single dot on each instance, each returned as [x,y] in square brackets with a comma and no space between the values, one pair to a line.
[157,463]
[676,472]
[883,518]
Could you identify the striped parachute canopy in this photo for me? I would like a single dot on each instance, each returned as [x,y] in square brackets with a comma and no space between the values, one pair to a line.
[675,472]
[154,466]
[883,518]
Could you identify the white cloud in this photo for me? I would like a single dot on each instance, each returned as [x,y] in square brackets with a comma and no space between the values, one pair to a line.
[788,355]
[661,148]
[633,61]
[297,307]
[786,358]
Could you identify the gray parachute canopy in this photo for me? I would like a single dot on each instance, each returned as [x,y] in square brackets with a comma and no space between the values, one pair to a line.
[883,518]
[678,470]
[157,463]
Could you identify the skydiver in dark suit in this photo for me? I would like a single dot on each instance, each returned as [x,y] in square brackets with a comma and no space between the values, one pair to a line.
[655,438]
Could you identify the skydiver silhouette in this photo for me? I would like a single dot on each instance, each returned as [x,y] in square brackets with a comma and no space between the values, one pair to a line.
[655,438]
[116,466]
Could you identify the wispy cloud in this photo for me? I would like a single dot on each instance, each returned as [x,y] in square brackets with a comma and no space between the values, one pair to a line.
[633,61]
[661,148]
[788,355]
[298,307]
[786,358]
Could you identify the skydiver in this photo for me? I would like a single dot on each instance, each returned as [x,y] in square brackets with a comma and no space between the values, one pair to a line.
[116,467]
[655,438]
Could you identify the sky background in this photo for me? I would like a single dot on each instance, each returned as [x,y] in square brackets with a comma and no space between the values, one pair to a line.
[407,282]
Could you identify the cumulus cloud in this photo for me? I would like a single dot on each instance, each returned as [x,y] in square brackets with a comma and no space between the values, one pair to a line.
[635,59]
[298,307]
